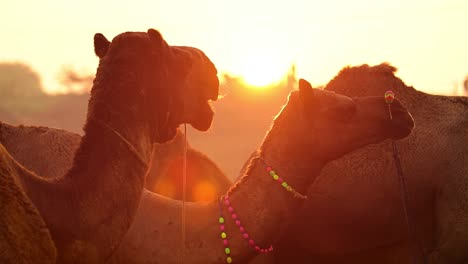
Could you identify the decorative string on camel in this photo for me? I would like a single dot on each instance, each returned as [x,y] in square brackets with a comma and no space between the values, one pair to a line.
[418,253]
[184,186]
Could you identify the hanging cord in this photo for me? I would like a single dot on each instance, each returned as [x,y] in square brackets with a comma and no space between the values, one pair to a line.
[418,252]
[184,190]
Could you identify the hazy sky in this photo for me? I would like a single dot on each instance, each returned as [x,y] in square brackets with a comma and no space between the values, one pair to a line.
[427,40]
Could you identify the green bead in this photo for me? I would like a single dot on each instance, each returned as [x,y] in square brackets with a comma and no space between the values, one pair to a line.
[221,220]
[228,260]
[223,235]
[272,173]
[227,250]
[276,177]
[284,184]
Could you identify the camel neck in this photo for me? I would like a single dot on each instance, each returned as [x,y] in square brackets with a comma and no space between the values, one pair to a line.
[91,207]
[263,206]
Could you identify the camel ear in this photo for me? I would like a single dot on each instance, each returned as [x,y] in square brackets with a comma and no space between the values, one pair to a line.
[306,94]
[157,39]
[305,88]
[154,35]
[101,45]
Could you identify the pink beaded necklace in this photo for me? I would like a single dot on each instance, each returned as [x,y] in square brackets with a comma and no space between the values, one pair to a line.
[244,233]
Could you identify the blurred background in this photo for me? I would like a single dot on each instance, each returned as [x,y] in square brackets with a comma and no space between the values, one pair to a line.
[260,48]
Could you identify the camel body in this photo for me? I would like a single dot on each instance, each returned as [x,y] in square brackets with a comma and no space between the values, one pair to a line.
[354,228]
[25,238]
[358,218]
[154,235]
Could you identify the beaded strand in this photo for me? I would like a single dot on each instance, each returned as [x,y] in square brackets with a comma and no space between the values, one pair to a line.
[244,233]
[283,183]
[222,228]
[238,223]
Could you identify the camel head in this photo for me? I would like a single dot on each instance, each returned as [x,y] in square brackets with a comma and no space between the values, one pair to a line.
[162,82]
[201,77]
[332,125]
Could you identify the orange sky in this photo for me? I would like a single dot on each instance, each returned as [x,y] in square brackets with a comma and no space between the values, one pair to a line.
[426,40]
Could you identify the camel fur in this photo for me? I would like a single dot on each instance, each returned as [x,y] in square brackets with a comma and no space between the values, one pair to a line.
[153,235]
[141,93]
[27,144]
[358,218]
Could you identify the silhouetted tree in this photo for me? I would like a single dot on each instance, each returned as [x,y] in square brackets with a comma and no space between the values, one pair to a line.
[22,100]
[18,80]
[20,89]
[74,81]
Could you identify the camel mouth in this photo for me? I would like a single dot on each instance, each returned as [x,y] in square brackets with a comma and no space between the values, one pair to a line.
[204,118]
[199,116]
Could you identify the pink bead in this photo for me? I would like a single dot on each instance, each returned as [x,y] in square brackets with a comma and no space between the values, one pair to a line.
[262,250]
[280,180]
[225,242]
[226,202]
[251,242]
[221,227]
[245,235]
[234,216]
[257,248]
[238,223]
[230,209]
[269,169]
[270,248]
[242,229]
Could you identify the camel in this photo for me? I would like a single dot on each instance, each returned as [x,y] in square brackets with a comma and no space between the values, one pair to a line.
[142,91]
[359,216]
[310,113]
[205,180]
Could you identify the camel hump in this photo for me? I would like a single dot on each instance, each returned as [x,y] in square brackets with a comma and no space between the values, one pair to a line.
[24,237]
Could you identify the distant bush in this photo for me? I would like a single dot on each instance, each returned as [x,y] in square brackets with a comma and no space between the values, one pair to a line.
[20,88]
[465,85]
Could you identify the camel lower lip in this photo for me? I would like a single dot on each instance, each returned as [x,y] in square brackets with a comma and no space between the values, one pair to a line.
[202,125]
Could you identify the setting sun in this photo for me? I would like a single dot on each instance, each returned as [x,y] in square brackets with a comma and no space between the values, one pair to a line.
[261,71]
[262,66]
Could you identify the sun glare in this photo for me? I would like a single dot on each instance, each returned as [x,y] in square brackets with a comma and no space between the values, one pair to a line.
[204,191]
[260,73]
[262,67]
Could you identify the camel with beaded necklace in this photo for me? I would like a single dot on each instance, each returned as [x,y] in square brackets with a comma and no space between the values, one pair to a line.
[142,91]
[358,218]
[309,120]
